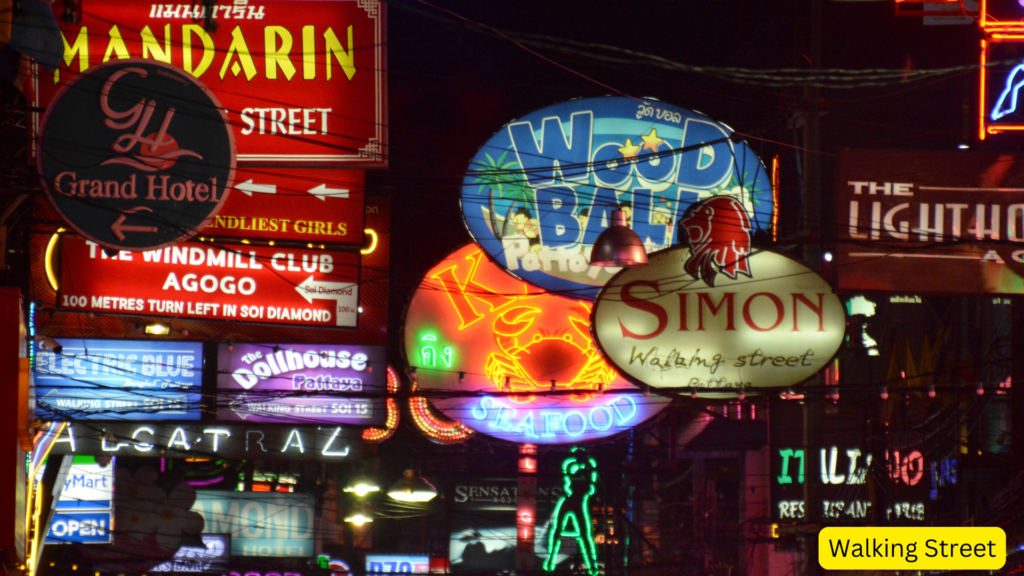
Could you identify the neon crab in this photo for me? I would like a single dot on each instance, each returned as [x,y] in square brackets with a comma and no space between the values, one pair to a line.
[534,357]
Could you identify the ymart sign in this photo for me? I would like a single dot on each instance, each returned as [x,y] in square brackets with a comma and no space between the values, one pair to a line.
[260,284]
[302,81]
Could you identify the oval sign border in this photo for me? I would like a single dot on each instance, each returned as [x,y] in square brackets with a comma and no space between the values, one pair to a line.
[686,280]
[496,156]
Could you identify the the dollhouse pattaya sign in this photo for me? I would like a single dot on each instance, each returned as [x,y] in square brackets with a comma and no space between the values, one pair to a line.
[540,191]
[715,317]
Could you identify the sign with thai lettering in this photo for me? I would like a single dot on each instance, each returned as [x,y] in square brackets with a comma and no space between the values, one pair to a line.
[118,380]
[232,441]
[473,327]
[263,284]
[301,81]
[212,556]
[302,384]
[540,191]
[307,205]
[930,222]
[684,322]
[136,154]
[260,524]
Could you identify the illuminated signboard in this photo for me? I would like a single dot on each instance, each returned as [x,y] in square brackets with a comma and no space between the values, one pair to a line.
[211,441]
[260,524]
[388,564]
[307,205]
[571,518]
[118,380]
[83,513]
[122,168]
[774,325]
[1005,15]
[1001,77]
[471,326]
[841,467]
[540,191]
[260,284]
[930,222]
[302,384]
[302,81]
[212,556]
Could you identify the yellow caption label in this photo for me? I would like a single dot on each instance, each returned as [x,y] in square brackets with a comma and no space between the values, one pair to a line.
[918,548]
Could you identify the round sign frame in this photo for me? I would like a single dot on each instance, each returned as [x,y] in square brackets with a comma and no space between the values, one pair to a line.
[160,163]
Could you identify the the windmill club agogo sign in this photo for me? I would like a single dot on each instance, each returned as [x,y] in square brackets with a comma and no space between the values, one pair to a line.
[714,317]
[136,154]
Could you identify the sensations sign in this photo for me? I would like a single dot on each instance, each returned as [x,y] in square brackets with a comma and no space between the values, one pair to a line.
[302,384]
[683,321]
[118,380]
[301,81]
[540,191]
[136,154]
[262,284]
[472,327]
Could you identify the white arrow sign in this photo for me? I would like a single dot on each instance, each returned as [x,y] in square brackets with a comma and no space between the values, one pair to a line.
[238,406]
[345,294]
[322,191]
[248,188]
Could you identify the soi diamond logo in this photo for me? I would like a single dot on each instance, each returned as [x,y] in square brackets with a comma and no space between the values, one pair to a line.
[136,154]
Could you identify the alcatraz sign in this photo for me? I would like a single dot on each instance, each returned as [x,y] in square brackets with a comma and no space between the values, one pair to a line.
[260,284]
[136,154]
[761,320]
[211,441]
[301,81]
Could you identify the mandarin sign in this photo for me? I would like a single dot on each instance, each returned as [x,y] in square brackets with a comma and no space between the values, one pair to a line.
[136,155]
[473,327]
[301,81]
[771,322]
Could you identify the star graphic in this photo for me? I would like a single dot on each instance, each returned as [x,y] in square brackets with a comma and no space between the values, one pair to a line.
[629,150]
[652,140]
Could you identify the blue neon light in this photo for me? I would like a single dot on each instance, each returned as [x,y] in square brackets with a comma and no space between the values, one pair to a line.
[1013,85]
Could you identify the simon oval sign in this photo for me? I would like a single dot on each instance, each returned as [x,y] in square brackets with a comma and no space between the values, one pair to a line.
[136,154]
[538,194]
[764,321]
[509,360]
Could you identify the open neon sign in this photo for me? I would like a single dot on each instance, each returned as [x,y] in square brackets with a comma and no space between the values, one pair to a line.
[472,327]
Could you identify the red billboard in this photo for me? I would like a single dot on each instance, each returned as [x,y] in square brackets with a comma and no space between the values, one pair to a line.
[303,81]
[306,205]
[192,280]
[930,222]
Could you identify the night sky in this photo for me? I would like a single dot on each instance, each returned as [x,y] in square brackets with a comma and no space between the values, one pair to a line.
[453,83]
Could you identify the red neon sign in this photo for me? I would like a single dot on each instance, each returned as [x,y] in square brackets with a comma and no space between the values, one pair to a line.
[302,81]
[473,326]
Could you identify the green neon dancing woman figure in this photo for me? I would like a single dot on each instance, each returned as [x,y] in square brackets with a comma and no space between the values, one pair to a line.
[571,518]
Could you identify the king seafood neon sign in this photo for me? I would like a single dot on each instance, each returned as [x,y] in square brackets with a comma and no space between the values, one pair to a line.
[473,327]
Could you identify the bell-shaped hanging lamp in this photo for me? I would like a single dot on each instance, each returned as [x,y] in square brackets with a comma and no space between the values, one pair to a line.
[618,245]
[412,488]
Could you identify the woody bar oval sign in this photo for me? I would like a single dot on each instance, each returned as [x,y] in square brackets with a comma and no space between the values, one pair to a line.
[717,322]
[136,154]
